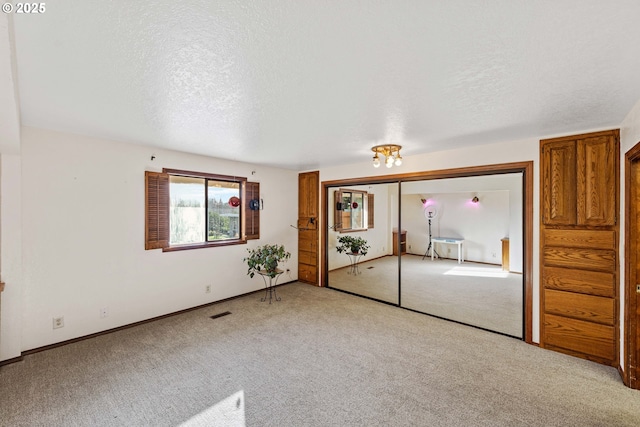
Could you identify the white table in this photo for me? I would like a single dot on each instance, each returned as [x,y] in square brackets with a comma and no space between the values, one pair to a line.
[449,241]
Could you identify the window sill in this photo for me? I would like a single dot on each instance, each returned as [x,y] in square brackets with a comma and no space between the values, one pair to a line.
[189,246]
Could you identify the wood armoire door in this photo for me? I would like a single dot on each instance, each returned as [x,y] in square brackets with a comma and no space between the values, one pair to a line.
[558,180]
[308,208]
[597,185]
[579,245]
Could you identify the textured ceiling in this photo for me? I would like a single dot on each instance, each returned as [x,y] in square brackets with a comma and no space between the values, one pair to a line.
[305,83]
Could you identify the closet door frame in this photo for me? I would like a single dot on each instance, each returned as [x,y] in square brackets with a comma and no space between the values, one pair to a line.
[526,168]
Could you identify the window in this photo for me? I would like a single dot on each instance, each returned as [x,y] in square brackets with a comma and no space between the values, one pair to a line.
[186,210]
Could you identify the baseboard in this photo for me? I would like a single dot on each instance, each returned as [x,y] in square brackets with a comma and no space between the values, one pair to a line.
[13,360]
[130,325]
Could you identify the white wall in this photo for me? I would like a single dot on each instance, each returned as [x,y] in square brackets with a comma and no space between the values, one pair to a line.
[481,225]
[83,239]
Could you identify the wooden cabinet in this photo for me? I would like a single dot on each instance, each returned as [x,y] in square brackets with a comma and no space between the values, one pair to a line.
[578,182]
[579,245]
[403,242]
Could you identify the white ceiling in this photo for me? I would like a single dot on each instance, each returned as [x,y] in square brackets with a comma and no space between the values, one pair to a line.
[303,84]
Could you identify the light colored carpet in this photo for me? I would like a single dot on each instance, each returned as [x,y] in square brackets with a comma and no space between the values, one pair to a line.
[318,357]
[476,294]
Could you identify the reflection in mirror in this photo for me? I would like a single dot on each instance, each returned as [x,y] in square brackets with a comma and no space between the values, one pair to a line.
[371,273]
[351,212]
[475,228]
[464,260]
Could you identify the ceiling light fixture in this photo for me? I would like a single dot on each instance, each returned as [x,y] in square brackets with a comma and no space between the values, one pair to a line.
[391,152]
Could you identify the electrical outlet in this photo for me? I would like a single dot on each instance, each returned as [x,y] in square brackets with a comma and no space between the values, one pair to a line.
[409,247]
[207,289]
[58,322]
[493,254]
[104,312]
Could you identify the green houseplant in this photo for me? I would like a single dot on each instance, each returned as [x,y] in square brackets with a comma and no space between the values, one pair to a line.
[266,258]
[356,245]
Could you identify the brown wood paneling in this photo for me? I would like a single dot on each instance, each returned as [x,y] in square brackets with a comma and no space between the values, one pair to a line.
[307,273]
[308,208]
[579,250]
[597,189]
[559,179]
[580,281]
[307,243]
[587,259]
[580,306]
[580,336]
[309,258]
[595,239]
[308,194]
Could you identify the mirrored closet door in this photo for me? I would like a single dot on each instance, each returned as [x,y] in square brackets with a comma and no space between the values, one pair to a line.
[464,255]
[361,257]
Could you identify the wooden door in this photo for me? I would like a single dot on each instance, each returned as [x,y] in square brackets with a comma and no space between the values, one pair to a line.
[579,246]
[308,208]
[632,248]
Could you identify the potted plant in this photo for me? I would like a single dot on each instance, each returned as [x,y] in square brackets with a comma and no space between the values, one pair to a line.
[355,245]
[266,258]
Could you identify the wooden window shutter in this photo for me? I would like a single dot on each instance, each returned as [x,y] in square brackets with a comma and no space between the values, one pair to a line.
[252,210]
[370,210]
[156,210]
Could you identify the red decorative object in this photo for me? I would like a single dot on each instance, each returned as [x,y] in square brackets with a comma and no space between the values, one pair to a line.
[234,202]
[355,205]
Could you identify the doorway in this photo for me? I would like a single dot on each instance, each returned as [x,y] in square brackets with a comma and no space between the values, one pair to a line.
[403,252]
[632,259]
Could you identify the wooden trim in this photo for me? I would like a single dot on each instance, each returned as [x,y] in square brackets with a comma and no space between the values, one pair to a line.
[12,360]
[1,286]
[494,169]
[526,168]
[629,369]
[203,245]
[615,132]
[527,194]
[192,174]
